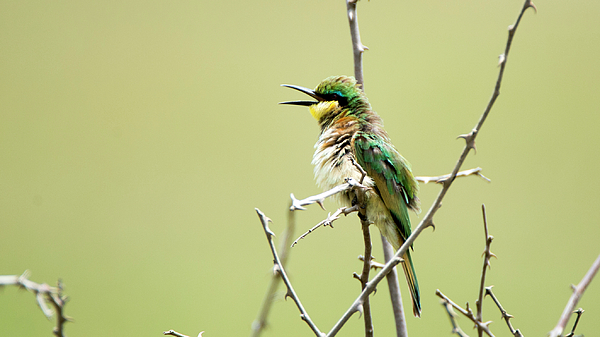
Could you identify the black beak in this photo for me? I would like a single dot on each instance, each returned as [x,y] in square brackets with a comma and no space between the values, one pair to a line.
[307,91]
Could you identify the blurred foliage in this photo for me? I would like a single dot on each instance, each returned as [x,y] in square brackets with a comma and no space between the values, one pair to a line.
[137,137]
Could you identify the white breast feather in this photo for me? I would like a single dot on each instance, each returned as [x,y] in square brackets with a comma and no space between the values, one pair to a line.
[332,167]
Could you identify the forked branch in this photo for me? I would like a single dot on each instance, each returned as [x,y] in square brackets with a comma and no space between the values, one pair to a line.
[260,322]
[44,295]
[577,293]
[452,315]
[468,313]
[505,315]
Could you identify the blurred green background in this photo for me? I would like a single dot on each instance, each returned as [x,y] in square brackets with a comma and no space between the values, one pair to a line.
[136,138]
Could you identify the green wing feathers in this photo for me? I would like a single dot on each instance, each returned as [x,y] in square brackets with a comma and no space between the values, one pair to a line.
[397,188]
[392,175]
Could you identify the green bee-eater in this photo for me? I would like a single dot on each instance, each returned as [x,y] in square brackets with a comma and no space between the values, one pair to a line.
[351,129]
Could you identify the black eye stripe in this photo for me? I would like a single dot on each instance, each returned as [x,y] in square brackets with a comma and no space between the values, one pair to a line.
[336,97]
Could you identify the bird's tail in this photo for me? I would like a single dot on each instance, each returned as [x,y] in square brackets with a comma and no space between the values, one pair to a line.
[413,285]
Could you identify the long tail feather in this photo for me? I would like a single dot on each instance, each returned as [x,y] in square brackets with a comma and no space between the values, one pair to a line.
[413,285]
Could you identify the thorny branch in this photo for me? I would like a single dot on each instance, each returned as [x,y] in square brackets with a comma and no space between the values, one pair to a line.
[279,269]
[579,312]
[487,253]
[441,179]
[364,277]
[261,321]
[44,294]
[577,293]
[350,184]
[505,315]
[452,315]
[328,221]
[319,198]
[485,291]
[466,312]
[477,319]
[357,47]
[365,223]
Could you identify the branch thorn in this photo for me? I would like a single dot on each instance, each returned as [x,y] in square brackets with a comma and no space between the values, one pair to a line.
[320,203]
[532,5]
[296,204]
[288,294]
[360,309]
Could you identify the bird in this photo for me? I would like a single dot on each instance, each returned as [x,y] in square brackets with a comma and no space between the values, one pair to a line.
[351,132]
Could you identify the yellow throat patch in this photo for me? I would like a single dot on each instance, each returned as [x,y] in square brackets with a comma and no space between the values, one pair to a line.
[323,108]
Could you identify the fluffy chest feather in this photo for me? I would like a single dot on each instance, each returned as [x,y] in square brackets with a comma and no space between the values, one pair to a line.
[332,160]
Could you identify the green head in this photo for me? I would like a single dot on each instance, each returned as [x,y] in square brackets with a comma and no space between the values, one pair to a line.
[336,97]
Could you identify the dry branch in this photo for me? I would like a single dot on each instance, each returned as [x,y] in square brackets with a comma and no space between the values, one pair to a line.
[487,253]
[467,313]
[452,315]
[260,322]
[45,295]
[441,179]
[264,220]
[577,293]
[505,315]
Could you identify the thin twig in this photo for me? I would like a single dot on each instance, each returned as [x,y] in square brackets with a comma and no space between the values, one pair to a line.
[370,287]
[58,301]
[364,277]
[577,293]
[578,312]
[319,198]
[441,179]
[44,294]
[452,315]
[261,321]
[487,254]
[328,221]
[505,315]
[361,206]
[357,47]
[467,313]
[281,270]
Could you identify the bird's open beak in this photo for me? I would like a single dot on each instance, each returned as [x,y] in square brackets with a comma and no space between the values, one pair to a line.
[307,91]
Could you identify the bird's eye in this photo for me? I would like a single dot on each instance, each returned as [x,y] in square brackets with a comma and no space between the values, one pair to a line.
[335,97]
